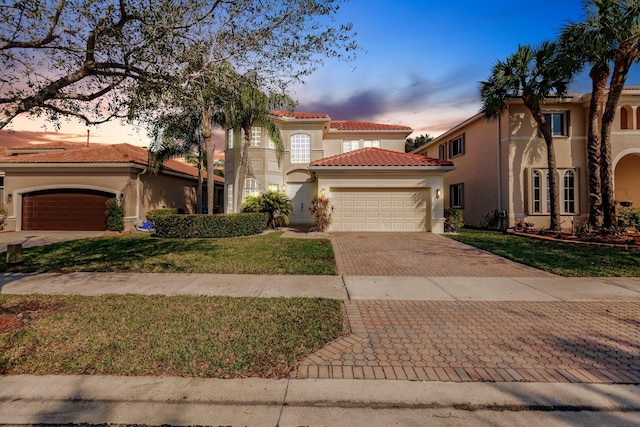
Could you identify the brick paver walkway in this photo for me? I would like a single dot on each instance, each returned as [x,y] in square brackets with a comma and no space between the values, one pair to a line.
[586,342]
[419,254]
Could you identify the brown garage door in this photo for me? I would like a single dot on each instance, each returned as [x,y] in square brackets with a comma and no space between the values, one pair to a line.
[64,210]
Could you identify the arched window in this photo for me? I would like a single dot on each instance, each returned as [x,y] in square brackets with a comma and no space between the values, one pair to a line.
[569,192]
[300,148]
[537,205]
[626,117]
[251,187]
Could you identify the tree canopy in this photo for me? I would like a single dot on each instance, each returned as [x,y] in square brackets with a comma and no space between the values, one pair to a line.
[85,58]
[411,144]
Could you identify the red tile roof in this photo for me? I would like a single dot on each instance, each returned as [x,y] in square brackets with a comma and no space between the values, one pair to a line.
[96,153]
[297,115]
[348,125]
[378,157]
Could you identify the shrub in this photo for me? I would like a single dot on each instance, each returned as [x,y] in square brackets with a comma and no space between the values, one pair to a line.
[322,212]
[154,213]
[210,226]
[453,220]
[630,217]
[3,218]
[115,215]
[276,204]
[491,220]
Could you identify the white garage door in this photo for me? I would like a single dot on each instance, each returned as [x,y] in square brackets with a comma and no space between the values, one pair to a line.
[394,209]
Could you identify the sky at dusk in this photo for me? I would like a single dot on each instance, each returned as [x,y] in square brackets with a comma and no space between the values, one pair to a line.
[420,66]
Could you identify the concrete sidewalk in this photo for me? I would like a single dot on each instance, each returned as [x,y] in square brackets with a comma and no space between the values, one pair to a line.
[28,399]
[545,288]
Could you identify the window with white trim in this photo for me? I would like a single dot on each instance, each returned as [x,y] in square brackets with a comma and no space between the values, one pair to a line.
[540,188]
[230,138]
[272,144]
[375,143]
[273,187]
[350,145]
[256,135]
[456,147]
[456,196]
[1,191]
[537,203]
[251,187]
[569,184]
[300,148]
[229,198]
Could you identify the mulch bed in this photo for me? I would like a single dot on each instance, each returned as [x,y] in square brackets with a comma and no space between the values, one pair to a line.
[16,316]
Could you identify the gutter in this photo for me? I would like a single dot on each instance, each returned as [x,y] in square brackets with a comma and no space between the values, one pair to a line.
[379,168]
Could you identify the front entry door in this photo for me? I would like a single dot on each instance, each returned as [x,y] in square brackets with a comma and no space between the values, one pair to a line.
[301,196]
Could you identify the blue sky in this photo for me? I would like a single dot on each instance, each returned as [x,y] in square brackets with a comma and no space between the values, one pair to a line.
[420,66]
[423,60]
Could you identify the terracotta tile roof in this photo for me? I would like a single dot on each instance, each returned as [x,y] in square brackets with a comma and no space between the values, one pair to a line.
[378,157]
[96,153]
[297,114]
[348,125]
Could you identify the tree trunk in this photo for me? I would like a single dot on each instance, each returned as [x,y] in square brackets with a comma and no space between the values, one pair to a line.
[621,65]
[206,129]
[200,179]
[554,193]
[599,75]
[241,176]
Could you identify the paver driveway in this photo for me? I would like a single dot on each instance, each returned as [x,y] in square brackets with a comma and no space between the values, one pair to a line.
[419,254]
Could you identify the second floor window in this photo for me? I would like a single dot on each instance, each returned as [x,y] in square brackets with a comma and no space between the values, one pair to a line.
[256,135]
[300,148]
[442,151]
[556,122]
[371,143]
[230,138]
[456,147]
[350,145]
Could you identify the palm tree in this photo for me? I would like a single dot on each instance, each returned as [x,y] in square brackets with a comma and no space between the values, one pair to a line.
[533,75]
[248,107]
[609,33]
[175,135]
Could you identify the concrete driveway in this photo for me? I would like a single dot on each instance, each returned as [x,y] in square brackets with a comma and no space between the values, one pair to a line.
[39,238]
[419,254]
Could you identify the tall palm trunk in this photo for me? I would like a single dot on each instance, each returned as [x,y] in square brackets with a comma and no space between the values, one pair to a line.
[599,75]
[621,65]
[200,182]
[206,129]
[241,176]
[554,194]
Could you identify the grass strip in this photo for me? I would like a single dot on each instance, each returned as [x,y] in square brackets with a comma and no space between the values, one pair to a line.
[139,253]
[209,337]
[564,259]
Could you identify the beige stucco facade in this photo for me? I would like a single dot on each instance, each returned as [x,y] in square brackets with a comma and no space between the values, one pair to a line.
[138,190]
[503,164]
[374,197]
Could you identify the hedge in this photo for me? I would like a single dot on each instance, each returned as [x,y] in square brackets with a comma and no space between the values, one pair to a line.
[154,213]
[210,226]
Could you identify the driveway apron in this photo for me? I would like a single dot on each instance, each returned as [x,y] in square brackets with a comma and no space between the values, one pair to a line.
[419,254]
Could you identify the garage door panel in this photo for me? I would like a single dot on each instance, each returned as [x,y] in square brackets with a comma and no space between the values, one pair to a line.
[381,210]
[64,210]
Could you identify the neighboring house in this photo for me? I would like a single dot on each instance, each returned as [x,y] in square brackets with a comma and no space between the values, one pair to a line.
[360,167]
[64,186]
[502,164]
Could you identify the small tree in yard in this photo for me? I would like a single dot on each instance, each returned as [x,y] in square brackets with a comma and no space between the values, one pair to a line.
[115,215]
[276,204]
[322,212]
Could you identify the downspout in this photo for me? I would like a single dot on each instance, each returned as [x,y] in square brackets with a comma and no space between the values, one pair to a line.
[142,172]
[500,209]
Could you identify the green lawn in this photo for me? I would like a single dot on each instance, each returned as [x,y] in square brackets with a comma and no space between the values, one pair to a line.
[210,337]
[559,258]
[140,253]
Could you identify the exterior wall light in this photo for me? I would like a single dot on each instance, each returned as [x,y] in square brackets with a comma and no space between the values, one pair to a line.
[438,193]
[284,187]
[322,192]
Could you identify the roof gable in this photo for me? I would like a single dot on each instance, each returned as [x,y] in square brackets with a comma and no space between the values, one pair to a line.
[372,157]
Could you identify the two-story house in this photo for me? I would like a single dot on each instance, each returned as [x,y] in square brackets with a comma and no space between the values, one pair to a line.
[360,167]
[502,164]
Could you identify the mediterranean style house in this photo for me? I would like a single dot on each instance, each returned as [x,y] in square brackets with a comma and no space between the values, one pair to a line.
[502,164]
[64,186]
[361,167]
